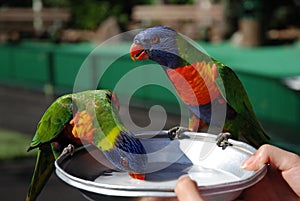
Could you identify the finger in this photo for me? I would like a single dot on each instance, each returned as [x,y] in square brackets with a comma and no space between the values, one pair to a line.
[278,158]
[187,189]
[156,199]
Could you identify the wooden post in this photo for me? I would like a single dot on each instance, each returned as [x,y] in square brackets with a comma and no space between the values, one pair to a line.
[251,32]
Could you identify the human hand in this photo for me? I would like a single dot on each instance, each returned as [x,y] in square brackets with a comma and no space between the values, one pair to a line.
[282,181]
[187,189]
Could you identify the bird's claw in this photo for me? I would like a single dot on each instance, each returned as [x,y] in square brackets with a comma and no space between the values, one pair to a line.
[69,150]
[222,140]
[176,132]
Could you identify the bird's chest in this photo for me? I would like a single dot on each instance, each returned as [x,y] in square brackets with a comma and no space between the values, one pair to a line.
[195,84]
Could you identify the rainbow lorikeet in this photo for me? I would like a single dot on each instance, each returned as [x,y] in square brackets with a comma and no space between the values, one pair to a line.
[211,90]
[96,122]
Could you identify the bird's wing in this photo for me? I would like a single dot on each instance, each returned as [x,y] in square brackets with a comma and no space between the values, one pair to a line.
[53,121]
[235,94]
[42,171]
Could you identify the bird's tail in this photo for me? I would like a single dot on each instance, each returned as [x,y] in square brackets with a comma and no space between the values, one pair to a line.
[43,169]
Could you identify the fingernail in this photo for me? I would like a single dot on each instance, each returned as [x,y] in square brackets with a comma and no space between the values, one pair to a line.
[247,162]
[182,177]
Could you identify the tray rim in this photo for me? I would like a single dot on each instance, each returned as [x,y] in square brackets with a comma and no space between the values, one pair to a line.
[132,191]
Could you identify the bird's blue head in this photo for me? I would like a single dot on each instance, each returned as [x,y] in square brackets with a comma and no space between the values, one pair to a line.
[158,44]
[129,155]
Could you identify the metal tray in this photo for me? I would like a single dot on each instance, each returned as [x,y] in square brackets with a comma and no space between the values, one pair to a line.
[216,171]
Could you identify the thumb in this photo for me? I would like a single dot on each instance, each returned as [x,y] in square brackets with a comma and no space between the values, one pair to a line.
[187,189]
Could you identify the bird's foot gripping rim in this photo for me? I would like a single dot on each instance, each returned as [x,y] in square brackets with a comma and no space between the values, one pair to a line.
[68,150]
[222,140]
[176,132]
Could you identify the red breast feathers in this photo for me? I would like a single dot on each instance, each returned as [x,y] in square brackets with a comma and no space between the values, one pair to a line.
[195,83]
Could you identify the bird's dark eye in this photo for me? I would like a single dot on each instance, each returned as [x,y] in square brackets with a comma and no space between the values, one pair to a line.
[109,96]
[155,39]
[124,163]
[137,42]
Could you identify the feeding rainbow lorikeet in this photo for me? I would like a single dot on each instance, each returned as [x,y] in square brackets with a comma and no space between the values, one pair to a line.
[203,84]
[96,122]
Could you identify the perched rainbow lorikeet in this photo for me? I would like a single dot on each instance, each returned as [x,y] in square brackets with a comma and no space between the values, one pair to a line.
[203,83]
[96,122]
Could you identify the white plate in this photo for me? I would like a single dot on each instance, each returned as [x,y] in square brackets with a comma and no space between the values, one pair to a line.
[216,171]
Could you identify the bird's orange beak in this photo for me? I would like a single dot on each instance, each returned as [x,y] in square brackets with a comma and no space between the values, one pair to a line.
[137,52]
[138,176]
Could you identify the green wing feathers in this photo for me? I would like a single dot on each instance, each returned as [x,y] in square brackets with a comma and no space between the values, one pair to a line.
[233,90]
[43,169]
[236,96]
[50,125]
[53,121]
